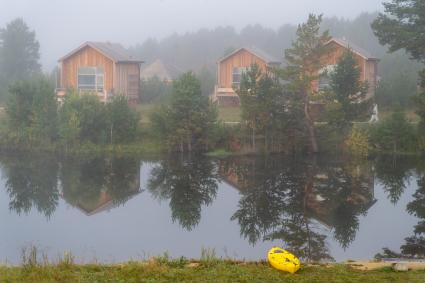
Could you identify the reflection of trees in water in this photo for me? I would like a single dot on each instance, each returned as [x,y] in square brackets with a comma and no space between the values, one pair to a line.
[346,191]
[281,197]
[82,181]
[91,184]
[296,228]
[394,172]
[188,183]
[31,181]
[299,234]
[263,183]
[414,245]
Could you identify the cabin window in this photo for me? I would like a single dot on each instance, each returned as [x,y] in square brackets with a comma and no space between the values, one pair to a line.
[91,78]
[325,77]
[237,75]
[324,82]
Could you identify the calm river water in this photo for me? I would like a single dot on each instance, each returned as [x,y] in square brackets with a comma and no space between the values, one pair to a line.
[117,209]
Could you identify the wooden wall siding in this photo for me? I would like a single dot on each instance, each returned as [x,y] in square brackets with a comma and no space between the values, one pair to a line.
[337,51]
[87,57]
[372,75]
[124,72]
[242,58]
[368,68]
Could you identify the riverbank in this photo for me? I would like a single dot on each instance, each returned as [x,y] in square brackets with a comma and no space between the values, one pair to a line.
[148,148]
[162,270]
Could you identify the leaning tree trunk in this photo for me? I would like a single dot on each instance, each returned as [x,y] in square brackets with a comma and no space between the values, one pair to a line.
[314,148]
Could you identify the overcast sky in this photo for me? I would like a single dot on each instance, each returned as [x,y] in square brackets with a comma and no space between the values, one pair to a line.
[62,25]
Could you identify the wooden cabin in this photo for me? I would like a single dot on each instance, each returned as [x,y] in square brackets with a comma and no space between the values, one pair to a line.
[230,69]
[367,63]
[103,68]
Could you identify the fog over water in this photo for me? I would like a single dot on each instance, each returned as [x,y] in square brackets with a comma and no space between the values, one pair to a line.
[62,25]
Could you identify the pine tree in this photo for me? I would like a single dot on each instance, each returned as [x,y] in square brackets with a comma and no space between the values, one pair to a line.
[250,102]
[19,52]
[303,62]
[122,120]
[185,123]
[263,106]
[402,27]
[349,91]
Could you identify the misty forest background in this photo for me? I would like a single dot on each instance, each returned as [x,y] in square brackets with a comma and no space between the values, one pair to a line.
[199,52]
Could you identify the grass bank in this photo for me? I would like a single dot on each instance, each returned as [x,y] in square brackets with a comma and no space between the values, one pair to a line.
[159,270]
[147,148]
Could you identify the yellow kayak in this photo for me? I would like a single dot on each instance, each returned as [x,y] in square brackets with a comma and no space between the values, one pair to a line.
[283,260]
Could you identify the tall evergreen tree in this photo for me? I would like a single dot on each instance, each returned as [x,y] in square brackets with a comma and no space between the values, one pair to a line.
[303,62]
[122,120]
[250,100]
[347,89]
[19,52]
[263,105]
[402,28]
[32,110]
[185,123]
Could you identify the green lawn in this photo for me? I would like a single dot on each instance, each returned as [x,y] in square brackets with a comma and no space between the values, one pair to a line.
[233,114]
[204,271]
[226,114]
[411,115]
[145,110]
[229,114]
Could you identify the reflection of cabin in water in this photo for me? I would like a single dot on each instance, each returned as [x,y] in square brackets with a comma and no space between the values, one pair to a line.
[360,196]
[357,183]
[105,201]
[229,172]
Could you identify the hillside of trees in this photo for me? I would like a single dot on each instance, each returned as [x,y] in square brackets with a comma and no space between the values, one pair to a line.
[192,51]
[199,52]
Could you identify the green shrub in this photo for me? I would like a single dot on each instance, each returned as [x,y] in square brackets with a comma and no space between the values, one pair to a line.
[184,124]
[335,115]
[31,112]
[358,143]
[395,134]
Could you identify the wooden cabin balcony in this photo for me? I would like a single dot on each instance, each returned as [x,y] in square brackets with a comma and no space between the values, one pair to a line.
[103,95]
[225,96]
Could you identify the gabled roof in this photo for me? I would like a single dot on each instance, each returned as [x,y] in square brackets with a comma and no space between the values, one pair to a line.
[257,52]
[358,50]
[161,70]
[114,51]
